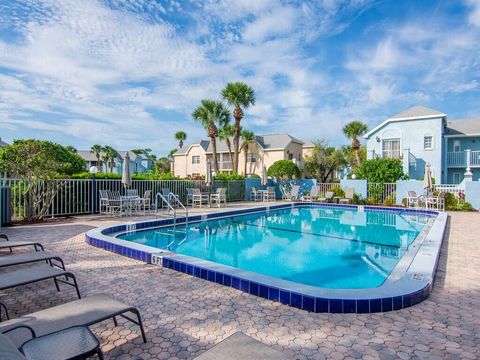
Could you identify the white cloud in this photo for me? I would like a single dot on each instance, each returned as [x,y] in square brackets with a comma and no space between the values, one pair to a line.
[474,16]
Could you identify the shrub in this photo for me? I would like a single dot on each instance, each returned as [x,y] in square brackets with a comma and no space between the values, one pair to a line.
[337,191]
[358,199]
[451,201]
[390,200]
[382,170]
[229,177]
[283,169]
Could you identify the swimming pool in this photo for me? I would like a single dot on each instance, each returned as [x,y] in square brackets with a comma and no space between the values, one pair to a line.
[317,257]
[333,248]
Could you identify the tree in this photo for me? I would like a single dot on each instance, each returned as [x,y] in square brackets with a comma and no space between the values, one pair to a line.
[211,114]
[170,154]
[353,130]
[97,151]
[71,149]
[381,170]
[350,157]
[224,134]
[247,136]
[324,161]
[180,136]
[39,164]
[109,155]
[162,165]
[283,169]
[239,95]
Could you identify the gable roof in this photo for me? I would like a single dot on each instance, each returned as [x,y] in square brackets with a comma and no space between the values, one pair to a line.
[418,111]
[463,127]
[266,142]
[414,113]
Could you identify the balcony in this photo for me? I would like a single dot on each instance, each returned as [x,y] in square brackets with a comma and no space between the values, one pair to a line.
[459,159]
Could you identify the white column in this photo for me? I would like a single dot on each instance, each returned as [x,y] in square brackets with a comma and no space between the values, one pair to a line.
[468,174]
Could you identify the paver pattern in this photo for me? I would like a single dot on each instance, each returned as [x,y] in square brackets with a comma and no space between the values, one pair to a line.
[184,315]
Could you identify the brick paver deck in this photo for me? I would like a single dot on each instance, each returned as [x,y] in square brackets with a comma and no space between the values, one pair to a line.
[184,315]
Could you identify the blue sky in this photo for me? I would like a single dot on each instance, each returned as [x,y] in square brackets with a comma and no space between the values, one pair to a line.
[128,73]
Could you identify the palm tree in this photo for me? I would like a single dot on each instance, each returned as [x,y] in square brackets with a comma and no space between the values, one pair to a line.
[180,136]
[353,130]
[247,136]
[239,95]
[210,114]
[224,134]
[97,150]
[170,154]
[110,154]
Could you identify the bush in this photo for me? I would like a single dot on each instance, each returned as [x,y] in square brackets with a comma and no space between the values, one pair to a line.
[283,169]
[229,177]
[382,170]
[358,199]
[337,191]
[452,203]
[390,200]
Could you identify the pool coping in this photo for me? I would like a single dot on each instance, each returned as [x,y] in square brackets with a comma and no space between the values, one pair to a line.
[413,287]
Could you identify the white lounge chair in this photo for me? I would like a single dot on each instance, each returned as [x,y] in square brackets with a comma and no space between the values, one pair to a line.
[328,197]
[314,192]
[294,193]
[347,199]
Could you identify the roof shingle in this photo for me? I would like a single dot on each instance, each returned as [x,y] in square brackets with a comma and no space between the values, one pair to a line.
[417,111]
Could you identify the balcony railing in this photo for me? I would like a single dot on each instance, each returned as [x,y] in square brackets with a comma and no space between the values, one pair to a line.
[456,158]
[475,158]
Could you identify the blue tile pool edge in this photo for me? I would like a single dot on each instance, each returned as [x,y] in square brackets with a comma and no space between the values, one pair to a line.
[412,288]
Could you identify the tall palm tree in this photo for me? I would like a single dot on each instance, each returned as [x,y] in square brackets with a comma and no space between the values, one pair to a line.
[180,136]
[109,154]
[224,134]
[170,154]
[353,130]
[210,114]
[239,95]
[97,151]
[247,136]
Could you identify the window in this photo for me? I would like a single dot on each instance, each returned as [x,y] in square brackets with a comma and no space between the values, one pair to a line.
[456,146]
[391,148]
[290,156]
[428,142]
[456,178]
[251,157]
[196,159]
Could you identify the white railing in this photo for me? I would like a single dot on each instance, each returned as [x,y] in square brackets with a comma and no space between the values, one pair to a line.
[324,187]
[448,188]
[456,158]
[475,158]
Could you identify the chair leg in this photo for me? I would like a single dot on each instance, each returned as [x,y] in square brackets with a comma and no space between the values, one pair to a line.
[56,284]
[115,322]
[100,354]
[140,323]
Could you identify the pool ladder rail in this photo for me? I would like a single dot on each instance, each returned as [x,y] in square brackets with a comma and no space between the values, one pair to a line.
[170,200]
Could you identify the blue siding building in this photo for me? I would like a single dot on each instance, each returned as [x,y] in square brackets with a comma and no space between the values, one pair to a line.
[420,135]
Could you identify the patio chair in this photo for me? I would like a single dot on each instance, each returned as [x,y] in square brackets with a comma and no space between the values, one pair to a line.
[36,273]
[328,197]
[413,200]
[83,312]
[189,196]
[314,192]
[218,197]
[30,257]
[115,204]
[10,244]
[436,202]
[349,192]
[147,201]
[269,195]
[255,195]
[103,201]
[199,198]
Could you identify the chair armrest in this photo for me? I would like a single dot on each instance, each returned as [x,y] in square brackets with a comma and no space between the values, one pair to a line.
[4,236]
[21,326]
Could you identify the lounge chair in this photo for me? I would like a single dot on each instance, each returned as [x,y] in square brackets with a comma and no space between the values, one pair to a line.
[218,197]
[347,199]
[83,312]
[30,257]
[328,197]
[10,244]
[294,193]
[36,273]
[314,192]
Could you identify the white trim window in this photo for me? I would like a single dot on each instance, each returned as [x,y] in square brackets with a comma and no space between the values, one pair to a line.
[196,159]
[457,178]
[456,146]
[428,142]
[391,148]
[251,158]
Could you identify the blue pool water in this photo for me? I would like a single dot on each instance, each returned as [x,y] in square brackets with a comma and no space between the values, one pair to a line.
[323,247]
